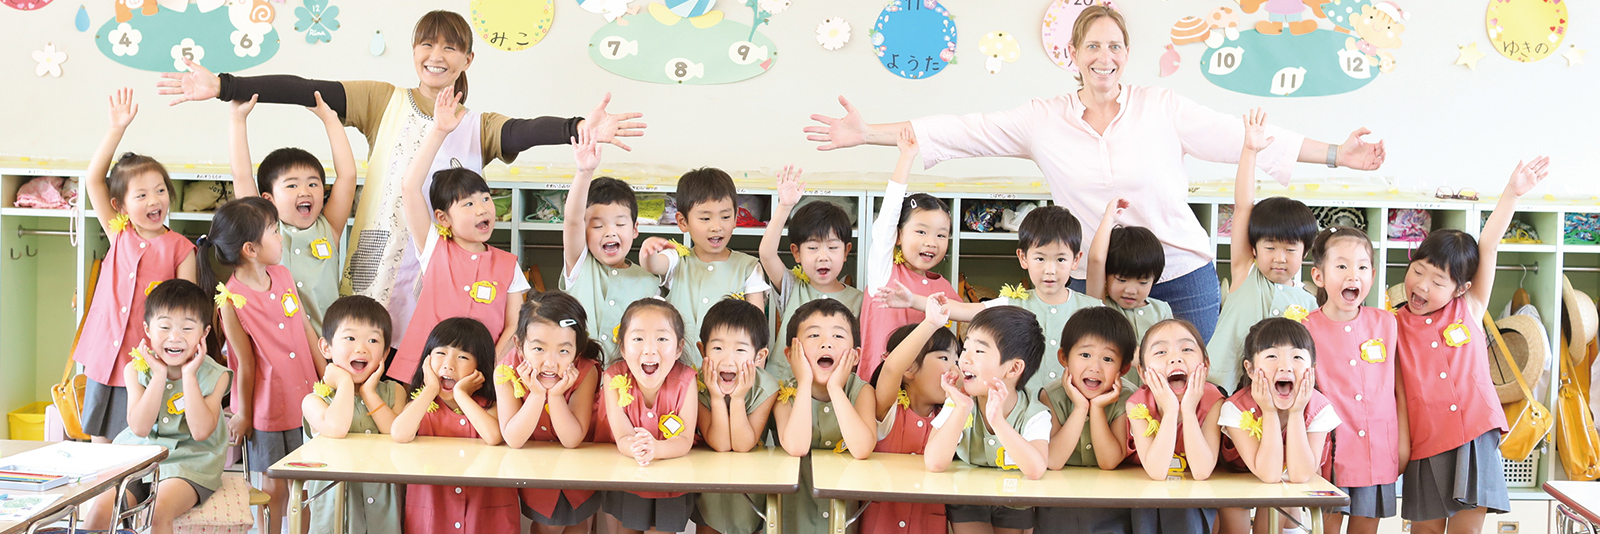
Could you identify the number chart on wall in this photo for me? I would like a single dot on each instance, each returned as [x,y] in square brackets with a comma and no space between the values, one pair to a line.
[684,42]
[1296,48]
[226,38]
[914,39]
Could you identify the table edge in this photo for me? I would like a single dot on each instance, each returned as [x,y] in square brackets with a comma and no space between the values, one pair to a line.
[1083,502]
[1571,503]
[306,475]
[22,526]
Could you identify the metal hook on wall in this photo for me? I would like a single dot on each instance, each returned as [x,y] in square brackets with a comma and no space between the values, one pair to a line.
[14,255]
[29,251]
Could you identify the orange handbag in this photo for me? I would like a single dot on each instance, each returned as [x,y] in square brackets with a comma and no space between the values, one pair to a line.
[68,395]
[1530,421]
[1576,440]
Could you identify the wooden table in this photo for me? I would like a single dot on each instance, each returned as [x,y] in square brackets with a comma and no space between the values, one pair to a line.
[904,478]
[1577,505]
[74,493]
[468,462]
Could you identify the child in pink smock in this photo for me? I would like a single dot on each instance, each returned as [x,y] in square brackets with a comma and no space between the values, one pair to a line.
[1174,368]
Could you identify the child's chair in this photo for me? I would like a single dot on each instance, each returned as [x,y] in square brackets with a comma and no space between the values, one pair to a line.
[68,514]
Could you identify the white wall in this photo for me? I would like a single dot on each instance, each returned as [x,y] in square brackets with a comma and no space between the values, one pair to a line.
[1443,123]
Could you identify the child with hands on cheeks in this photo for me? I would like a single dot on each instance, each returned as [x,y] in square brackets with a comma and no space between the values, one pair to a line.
[1454,416]
[174,400]
[736,398]
[1088,427]
[819,240]
[353,398]
[1172,421]
[449,400]
[1277,421]
[547,389]
[462,276]
[822,407]
[132,203]
[1002,351]
[650,413]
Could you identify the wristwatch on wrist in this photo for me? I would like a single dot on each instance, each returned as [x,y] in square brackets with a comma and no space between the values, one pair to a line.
[1333,156]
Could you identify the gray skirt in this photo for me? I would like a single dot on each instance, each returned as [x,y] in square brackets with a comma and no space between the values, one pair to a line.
[1174,520]
[997,516]
[638,513]
[266,448]
[564,515]
[105,409]
[1083,521]
[1468,477]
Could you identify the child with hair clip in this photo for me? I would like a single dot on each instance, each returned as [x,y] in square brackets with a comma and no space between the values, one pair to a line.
[454,248]
[650,413]
[1172,422]
[1357,374]
[1089,427]
[353,398]
[449,399]
[822,407]
[546,388]
[908,393]
[1269,242]
[698,277]
[1277,421]
[1002,351]
[1049,244]
[736,399]
[594,247]
[132,204]
[820,241]
[175,396]
[1455,418]
[271,345]
[1124,263]
[909,238]
[293,180]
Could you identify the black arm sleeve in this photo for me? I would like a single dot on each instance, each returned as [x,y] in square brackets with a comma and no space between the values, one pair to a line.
[281,89]
[518,135]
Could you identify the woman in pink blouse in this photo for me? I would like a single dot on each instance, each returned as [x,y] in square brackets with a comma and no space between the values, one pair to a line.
[1108,140]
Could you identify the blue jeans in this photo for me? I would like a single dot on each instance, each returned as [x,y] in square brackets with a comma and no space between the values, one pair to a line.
[1195,297]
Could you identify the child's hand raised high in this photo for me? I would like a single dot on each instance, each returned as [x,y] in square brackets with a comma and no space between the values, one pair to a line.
[447,110]
[1527,176]
[585,151]
[322,110]
[1114,210]
[653,245]
[937,312]
[907,141]
[896,296]
[122,108]
[790,188]
[242,108]
[1255,131]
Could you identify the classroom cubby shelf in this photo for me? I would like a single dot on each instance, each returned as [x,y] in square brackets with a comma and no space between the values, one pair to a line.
[43,293]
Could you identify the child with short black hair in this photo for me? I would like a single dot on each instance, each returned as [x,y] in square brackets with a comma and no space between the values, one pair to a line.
[700,276]
[1125,262]
[909,393]
[1172,422]
[820,241]
[353,398]
[821,408]
[294,180]
[601,221]
[175,395]
[1269,241]
[1002,351]
[1089,427]
[736,398]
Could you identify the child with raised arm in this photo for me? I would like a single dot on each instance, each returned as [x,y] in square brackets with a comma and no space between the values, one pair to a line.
[293,180]
[597,232]
[1454,415]
[1124,263]
[1002,351]
[132,202]
[1269,242]
[820,241]
[822,408]
[353,398]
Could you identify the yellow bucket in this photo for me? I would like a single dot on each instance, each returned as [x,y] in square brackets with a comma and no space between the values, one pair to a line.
[27,422]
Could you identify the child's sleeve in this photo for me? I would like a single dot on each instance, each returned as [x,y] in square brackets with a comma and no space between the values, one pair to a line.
[1037,428]
[519,280]
[569,279]
[880,256]
[1324,421]
[1230,416]
[672,267]
[756,282]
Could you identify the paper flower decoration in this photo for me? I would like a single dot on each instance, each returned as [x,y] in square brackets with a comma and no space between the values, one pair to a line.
[899,256]
[504,373]
[223,296]
[800,274]
[902,399]
[773,7]
[50,60]
[682,250]
[786,392]
[143,367]
[1250,423]
[432,406]
[317,19]
[125,40]
[1014,292]
[443,232]
[1296,313]
[624,388]
[1142,412]
[833,33]
[186,49]
[322,389]
[118,224]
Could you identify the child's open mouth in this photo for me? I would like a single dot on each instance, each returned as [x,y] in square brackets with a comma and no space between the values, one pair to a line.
[823,271]
[548,378]
[155,216]
[1178,382]
[173,351]
[447,384]
[727,376]
[927,256]
[1285,387]
[610,247]
[1128,302]
[649,368]
[1092,384]
[304,207]
[1416,303]
[358,365]
[825,362]
[968,376]
[1351,295]
[716,241]
[484,226]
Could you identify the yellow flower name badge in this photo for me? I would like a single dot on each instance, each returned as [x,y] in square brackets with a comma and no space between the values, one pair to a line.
[151,287]
[1002,459]
[175,404]
[1457,335]
[321,249]
[670,426]
[1296,313]
[291,305]
[483,292]
[1373,351]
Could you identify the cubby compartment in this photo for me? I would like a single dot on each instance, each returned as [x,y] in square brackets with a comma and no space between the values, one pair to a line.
[11,185]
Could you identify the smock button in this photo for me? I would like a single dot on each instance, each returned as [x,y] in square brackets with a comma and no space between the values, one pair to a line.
[458,491]
[458,524]
[919,424]
[163,420]
[297,252]
[824,515]
[705,300]
[902,524]
[1361,433]
[924,282]
[124,309]
[273,296]
[466,288]
[1452,407]
[1434,344]
[169,385]
[142,245]
[131,275]
[1352,362]
[1052,374]
[1052,311]
[1347,328]
[291,355]
[299,284]
[1140,312]
[1052,343]
[827,444]
[1442,375]
[369,500]
[1087,447]
[543,429]
[613,272]
[826,409]
[1358,396]
[1428,321]
[1276,313]
[991,442]
[611,303]
[474,256]
[463,423]
[280,326]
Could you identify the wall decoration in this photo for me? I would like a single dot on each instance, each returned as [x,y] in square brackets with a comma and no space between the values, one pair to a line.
[1469,55]
[50,60]
[513,25]
[228,39]
[1375,28]
[833,33]
[1286,15]
[652,49]
[204,5]
[1526,30]
[1190,30]
[81,21]
[1056,31]
[1170,60]
[318,19]
[699,12]
[998,48]
[1574,55]
[125,8]
[611,9]
[1224,24]
[26,5]
[1289,53]
[914,38]
[376,47]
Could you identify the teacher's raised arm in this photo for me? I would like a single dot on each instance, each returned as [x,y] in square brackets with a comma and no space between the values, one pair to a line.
[1109,140]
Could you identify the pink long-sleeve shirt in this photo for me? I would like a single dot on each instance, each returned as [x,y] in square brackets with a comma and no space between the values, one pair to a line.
[1140,158]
